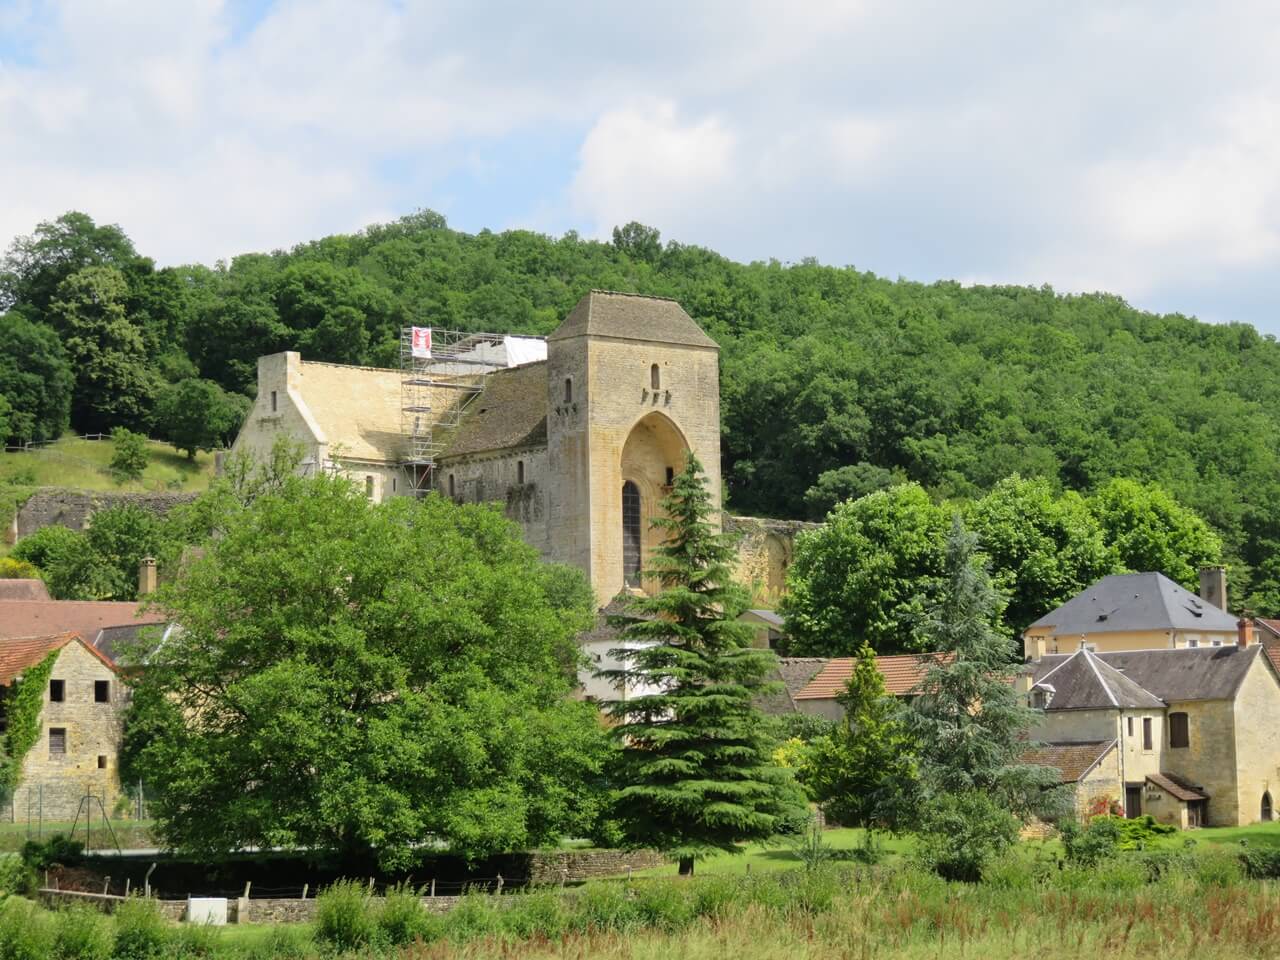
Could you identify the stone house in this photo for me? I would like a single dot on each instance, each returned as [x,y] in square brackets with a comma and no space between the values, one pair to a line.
[1184,733]
[1136,611]
[76,754]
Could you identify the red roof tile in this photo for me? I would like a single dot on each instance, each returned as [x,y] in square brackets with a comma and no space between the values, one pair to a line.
[1072,760]
[26,618]
[22,653]
[1178,787]
[23,590]
[902,674]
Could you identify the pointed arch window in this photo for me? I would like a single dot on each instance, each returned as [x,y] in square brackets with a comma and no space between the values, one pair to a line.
[631,534]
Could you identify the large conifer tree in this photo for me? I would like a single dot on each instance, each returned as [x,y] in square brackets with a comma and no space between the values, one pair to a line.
[696,775]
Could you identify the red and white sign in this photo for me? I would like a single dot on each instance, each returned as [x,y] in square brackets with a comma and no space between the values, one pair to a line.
[420,342]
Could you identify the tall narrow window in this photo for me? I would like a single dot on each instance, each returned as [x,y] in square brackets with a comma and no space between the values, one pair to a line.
[1130,721]
[1179,730]
[57,691]
[568,390]
[519,471]
[57,741]
[631,534]
[655,377]
[274,406]
[1146,733]
[393,484]
[451,493]
[368,487]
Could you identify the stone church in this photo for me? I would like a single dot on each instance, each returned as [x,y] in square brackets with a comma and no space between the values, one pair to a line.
[579,435]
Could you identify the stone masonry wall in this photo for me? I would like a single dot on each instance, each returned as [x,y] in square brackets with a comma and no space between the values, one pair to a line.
[56,783]
[1257,718]
[577,865]
[74,509]
[765,551]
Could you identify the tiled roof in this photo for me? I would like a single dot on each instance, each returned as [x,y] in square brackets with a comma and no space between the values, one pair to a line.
[902,674]
[511,411]
[792,674]
[27,618]
[22,653]
[631,316]
[1135,601]
[1073,760]
[1083,681]
[1178,787]
[772,618]
[1187,673]
[23,590]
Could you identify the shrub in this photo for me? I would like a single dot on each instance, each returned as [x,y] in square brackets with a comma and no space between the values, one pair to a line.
[1136,833]
[82,933]
[475,916]
[1218,868]
[540,914]
[662,904]
[1261,863]
[960,833]
[604,906]
[13,569]
[1096,841]
[58,849]
[402,918]
[344,916]
[1011,872]
[25,932]
[16,876]
[141,932]
[128,454]
[282,942]
[810,847]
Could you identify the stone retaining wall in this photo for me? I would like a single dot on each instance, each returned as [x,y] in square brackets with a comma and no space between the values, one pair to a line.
[51,506]
[574,866]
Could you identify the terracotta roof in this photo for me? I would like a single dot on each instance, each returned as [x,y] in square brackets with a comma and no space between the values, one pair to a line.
[22,653]
[1178,787]
[511,411]
[1086,682]
[1073,760]
[632,316]
[23,590]
[902,674]
[1272,646]
[25,618]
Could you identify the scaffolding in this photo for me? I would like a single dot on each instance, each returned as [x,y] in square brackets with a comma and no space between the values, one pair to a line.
[436,390]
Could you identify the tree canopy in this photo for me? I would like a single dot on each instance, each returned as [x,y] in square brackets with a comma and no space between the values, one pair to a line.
[835,382]
[364,678]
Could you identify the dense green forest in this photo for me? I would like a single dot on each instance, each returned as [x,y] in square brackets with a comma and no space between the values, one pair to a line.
[835,381]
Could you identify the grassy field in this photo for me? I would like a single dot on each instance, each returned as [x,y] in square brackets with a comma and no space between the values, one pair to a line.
[82,465]
[757,857]
[128,833]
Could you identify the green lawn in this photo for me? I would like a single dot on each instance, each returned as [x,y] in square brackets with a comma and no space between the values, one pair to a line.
[782,856]
[82,465]
[129,833]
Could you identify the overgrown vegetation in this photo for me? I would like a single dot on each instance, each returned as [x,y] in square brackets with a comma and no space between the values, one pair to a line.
[24,699]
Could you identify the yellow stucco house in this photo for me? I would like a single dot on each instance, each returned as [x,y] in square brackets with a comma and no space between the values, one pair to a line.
[1185,734]
[1136,611]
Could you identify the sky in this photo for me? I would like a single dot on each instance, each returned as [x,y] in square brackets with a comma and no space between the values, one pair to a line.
[1121,146]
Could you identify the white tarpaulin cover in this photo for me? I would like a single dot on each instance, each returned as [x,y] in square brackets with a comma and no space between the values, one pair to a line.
[522,350]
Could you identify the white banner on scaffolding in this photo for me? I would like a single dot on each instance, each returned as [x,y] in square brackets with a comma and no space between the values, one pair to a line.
[420,342]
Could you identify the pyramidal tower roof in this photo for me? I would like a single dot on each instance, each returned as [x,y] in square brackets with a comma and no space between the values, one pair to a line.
[632,316]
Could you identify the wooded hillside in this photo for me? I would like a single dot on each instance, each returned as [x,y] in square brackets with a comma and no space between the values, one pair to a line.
[825,368]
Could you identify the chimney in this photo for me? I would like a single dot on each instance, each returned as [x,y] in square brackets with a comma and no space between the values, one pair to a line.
[1213,586]
[146,576]
[1244,632]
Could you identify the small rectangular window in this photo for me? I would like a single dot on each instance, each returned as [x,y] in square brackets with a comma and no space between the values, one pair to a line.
[671,476]
[57,691]
[102,691]
[1146,733]
[1179,730]
[519,471]
[57,741]
[102,761]
[274,406]
[393,484]
[1130,720]
[1193,642]
[368,487]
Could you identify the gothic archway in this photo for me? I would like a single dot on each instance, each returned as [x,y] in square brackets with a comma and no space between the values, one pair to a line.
[653,453]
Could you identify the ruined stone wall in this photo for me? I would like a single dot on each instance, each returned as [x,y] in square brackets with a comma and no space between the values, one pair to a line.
[766,549]
[74,509]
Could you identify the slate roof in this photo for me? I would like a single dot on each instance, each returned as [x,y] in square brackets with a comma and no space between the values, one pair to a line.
[110,641]
[1179,787]
[1135,601]
[511,411]
[1187,673]
[23,590]
[770,617]
[1083,681]
[632,316]
[1073,760]
[22,653]
[794,673]
[902,674]
[29,618]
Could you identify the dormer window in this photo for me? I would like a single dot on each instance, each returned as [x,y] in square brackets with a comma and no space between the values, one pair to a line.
[1041,697]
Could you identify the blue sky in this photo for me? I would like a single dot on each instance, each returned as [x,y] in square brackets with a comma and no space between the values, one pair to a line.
[1125,146]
